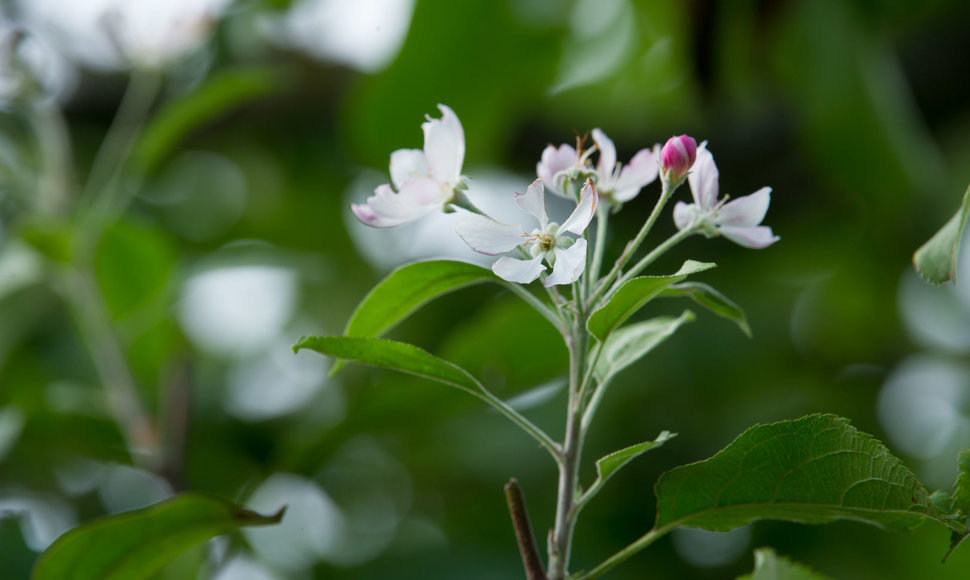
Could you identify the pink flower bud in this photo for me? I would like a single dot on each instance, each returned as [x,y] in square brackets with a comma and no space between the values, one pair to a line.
[677,157]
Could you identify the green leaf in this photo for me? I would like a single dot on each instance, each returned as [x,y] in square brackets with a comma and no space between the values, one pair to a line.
[961,489]
[813,470]
[630,343]
[769,566]
[936,260]
[216,96]
[607,465]
[137,544]
[133,264]
[393,355]
[633,295]
[405,290]
[713,300]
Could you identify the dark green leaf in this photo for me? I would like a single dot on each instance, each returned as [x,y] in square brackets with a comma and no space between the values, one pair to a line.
[770,566]
[936,260]
[711,299]
[630,343]
[813,470]
[633,295]
[137,544]
[393,355]
[219,94]
[961,489]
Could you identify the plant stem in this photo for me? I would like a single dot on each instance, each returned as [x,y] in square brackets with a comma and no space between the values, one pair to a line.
[602,217]
[562,534]
[526,425]
[608,564]
[523,531]
[552,316]
[633,245]
[656,253]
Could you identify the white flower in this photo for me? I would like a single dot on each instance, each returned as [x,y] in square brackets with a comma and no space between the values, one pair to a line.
[738,220]
[153,33]
[562,167]
[426,181]
[548,242]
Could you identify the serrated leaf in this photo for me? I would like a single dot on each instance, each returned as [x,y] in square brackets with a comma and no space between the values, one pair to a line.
[936,260]
[813,470]
[630,343]
[405,290]
[770,566]
[137,544]
[633,295]
[393,355]
[961,489]
[713,300]
[609,464]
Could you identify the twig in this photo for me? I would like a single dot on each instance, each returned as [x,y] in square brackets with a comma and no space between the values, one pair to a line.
[523,531]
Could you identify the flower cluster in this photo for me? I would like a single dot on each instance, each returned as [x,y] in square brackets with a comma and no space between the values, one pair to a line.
[430,180]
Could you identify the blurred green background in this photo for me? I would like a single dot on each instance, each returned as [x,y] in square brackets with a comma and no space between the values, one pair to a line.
[240,240]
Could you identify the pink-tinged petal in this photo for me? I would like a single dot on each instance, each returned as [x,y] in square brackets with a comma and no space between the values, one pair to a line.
[585,209]
[444,146]
[684,215]
[570,264]
[520,271]
[703,179]
[607,160]
[408,164]
[756,237]
[677,156]
[533,202]
[386,209]
[552,162]
[487,236]
[639,172]
[747,211]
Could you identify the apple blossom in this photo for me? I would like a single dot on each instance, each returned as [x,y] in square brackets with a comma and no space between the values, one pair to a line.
[562,169]
[566,255]
[677,157]
[426,181]
[737,220]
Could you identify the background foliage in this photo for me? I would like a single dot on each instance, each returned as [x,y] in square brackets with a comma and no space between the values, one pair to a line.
[241,241]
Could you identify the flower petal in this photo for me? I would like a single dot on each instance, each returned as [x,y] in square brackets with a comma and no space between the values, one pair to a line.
[570,264]
[515,270]
[640,171]
[533,202]
[408,164]
[444,146]
[552,162]
[386,209]
[684,215]
[487,236]
[703,179]
[579,219]
[607,160]
[754,237]
[747,211]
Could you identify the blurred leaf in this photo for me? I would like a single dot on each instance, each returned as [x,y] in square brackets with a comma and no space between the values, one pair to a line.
[53,239]
[713,300]
[609,464]
[405,290]
[770,566]
[627,345]
[218,95]
[812,470]
[936,260]
[633,295]
[961,492]
[132,264]
[389,354]
[136,544]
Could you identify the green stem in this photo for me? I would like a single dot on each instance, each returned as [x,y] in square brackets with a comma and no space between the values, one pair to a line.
[653,255]
[633,245]
[526,425]
[608,564]
[602,217]
[55,144]
[552,316]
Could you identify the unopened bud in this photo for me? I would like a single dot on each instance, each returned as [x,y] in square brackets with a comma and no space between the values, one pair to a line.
[677,157]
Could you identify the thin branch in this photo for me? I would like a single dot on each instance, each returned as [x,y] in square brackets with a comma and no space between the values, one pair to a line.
[523,531]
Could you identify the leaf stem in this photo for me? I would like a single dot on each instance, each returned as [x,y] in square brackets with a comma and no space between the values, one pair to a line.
[517,418]
[653,255]
[602,218]
[608,564]
[633,245]
[554,317]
